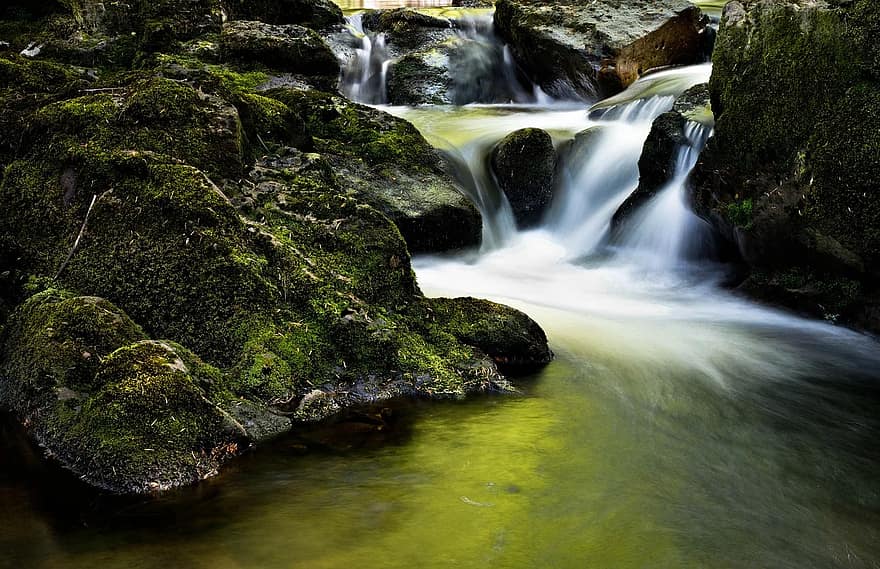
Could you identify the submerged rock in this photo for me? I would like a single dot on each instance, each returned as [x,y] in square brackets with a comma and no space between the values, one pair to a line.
[595,49]
[524,163]
[790,176]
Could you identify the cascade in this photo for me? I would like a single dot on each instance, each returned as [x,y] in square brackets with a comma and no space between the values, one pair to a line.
[665,232]
[365,74]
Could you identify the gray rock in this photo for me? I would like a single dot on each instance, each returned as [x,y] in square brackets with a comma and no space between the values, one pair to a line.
[593,49]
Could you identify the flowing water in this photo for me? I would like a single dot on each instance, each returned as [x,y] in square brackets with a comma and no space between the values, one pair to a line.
[679,426]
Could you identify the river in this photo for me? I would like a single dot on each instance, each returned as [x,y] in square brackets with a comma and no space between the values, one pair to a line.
[679,426]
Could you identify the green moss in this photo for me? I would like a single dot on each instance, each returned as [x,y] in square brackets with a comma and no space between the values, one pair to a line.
[512,339]
[149,427]
[351,129]
[741,213]
[57,340]
[157,115]
[269,123]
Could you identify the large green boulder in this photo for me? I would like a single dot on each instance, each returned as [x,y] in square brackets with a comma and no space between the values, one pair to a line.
[791,175]
[123,413]
[240,227]
[289,47]
[390,166]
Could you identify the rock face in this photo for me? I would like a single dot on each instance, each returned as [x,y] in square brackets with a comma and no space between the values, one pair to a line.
[190,265]
[657,162]
[595,49]
[790,177]
[390,166]
[291,48]
[524,163]
[316,14]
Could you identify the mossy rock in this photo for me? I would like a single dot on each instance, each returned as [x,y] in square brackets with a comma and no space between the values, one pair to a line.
[420,78]
[288,47]
[155,115]
[162,242]
[524,164]
[25,86]
[794,92]
[389,165]
[515,342]
[55,342]
[316,14]
[406,28]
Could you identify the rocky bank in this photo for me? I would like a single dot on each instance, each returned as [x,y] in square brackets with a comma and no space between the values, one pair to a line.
[203,244]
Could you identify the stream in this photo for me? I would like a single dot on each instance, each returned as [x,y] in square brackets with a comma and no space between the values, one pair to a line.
[679,425]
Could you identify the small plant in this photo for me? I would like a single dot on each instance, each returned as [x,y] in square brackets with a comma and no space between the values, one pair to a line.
[741,213]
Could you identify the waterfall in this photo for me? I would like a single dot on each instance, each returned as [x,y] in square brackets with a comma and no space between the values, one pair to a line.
[664,232]
[365,74]
[479,68]
[593,189]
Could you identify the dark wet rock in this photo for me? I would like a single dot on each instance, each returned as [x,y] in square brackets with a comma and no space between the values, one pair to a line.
[588,50]
[316,14]
[789,178]
[657,161]
[123,413]
[407,29]
[420,78]
[656,164]
[524,163]
[290,47]
[390,166]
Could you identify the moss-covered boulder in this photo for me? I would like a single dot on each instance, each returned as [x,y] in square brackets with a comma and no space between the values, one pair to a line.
[420,78]
[390,166]
[524,163]
[290,48]
[260,233]
[791,174]
[514,341]
[406,28]
[592,49]
[315,14]
[123,413]
[25,86]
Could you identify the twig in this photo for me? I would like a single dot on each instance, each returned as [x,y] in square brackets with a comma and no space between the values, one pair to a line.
[102,90]
[78,237]
[266,148]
